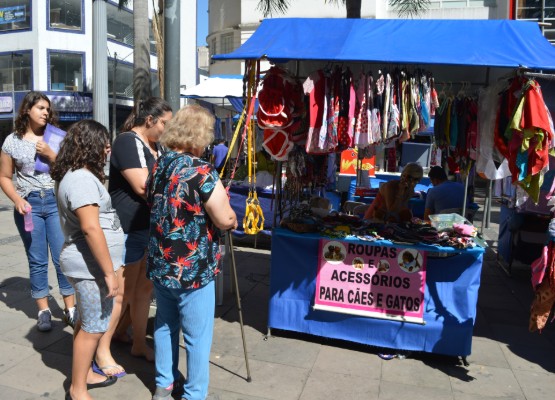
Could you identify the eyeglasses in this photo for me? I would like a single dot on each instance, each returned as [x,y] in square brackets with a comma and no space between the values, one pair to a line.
[413,178]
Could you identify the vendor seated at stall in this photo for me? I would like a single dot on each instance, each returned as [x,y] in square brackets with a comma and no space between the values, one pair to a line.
[392,201]
[444,195]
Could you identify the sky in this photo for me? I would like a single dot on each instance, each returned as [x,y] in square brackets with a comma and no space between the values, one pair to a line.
[202,22]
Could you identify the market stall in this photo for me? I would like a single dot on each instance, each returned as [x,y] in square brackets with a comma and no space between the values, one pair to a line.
[449,286]
[449,298]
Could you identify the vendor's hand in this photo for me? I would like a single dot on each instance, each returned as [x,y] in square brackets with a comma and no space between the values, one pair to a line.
[22,206]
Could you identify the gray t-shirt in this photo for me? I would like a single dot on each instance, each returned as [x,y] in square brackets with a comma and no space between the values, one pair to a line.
[23,153]
[78,189]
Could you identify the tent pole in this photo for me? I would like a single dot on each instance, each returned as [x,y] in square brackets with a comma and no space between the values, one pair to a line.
[465,195]
[490,196]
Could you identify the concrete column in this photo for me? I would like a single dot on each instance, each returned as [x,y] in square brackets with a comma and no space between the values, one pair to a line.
[100,64]
[172,45]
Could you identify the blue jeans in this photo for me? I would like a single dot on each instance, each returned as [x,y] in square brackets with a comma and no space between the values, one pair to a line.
[191,310]
[46,233]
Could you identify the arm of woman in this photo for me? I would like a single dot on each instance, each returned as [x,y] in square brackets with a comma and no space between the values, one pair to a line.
[90,226]
[136,177]
[219,209]
[6,183]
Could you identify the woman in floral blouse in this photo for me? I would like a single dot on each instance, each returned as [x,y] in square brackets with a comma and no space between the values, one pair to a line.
[189,207]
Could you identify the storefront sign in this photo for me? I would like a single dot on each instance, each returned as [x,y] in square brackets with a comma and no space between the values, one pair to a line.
[12,14]
[348,165]
[72,103]
[6,104]
[371,280]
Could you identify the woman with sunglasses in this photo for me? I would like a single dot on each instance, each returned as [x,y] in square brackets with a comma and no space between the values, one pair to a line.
[392,201]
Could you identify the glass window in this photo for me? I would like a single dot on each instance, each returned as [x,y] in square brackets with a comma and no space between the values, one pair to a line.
[154,83]
[119,24]
[124,79]
[15,71]
[66,71]
[66,14]
[15,14]
[227,43]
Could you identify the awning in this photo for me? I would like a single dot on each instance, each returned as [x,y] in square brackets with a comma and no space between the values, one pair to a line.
[493,43]
[217,87]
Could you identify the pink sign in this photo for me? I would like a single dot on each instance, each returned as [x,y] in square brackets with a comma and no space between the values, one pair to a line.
[371,280]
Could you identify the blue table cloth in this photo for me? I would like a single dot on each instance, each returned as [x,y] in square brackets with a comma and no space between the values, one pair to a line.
[450,297]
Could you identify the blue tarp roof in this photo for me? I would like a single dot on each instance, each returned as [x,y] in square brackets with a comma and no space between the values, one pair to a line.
[494,43]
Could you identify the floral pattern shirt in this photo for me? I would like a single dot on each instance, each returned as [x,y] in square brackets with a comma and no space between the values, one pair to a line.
[183,250]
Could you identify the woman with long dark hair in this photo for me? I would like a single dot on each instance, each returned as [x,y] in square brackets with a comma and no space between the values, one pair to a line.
[33,193]
[134,153]
[93,247]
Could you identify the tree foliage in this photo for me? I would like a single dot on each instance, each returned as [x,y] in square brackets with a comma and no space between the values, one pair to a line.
[409,8]
[404,8]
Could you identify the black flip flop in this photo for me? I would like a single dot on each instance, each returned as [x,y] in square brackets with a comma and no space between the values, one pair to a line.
[109,381]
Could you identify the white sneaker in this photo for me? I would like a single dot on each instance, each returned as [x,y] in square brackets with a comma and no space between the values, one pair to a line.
[44,322]
[69,317]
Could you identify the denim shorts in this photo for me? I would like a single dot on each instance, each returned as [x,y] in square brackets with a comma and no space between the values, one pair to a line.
[135,244]
[93,308]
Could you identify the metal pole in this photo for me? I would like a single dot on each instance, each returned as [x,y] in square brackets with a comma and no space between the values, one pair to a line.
[486,208]
[114,96]
[13,92]
[100,64]
[465,194]
[490,196]
[172,58]
[238,299]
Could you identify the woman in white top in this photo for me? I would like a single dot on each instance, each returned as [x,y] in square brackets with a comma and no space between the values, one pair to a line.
[33,193]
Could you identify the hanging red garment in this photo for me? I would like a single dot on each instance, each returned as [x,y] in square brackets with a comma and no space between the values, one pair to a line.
[507,103]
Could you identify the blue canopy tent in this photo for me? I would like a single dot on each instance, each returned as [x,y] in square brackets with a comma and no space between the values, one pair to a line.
[489,43]
[478,43]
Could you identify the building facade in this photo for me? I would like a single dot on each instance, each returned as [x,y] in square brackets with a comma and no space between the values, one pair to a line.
[46,45]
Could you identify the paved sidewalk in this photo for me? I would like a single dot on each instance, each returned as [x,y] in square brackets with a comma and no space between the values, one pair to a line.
[507,362]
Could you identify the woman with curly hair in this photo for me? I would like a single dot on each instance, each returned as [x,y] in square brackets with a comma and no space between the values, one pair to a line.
[34,193]
[93,246]
[189,206]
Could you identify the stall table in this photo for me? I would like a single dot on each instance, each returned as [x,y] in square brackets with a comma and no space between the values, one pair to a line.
[450,297]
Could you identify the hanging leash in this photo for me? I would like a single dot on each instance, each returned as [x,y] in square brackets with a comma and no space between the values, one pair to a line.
[253,221]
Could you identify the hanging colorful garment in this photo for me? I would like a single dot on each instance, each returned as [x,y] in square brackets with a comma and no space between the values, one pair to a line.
[361,128]
[529,135]
[346,99]
[315,86]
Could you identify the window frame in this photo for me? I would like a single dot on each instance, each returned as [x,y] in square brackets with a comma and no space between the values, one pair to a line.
[83,55]
[27,51]
[30,28]
[67,30]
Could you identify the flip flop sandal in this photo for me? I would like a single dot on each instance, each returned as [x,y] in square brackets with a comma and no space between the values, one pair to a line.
[100,370]
[387,357]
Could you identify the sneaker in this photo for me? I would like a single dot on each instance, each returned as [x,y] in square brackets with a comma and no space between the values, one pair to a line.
[44,322]
[69,317]
[163,393]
